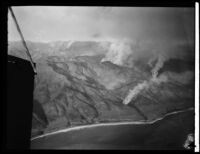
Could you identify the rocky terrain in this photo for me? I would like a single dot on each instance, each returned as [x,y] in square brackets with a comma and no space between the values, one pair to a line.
[74,86]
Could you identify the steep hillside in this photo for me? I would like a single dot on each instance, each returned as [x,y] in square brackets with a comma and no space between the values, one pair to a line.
[75,87]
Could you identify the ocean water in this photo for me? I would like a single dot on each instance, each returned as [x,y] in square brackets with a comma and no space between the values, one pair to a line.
[169,133]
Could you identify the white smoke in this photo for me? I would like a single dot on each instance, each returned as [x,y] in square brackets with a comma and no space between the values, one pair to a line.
[146,84]
[143,86]
[118,52]
[158,66]
[134,92]
[182,78]
[160,79]
[70,43]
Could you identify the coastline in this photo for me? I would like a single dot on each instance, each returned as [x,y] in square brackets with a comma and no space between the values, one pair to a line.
[112,124]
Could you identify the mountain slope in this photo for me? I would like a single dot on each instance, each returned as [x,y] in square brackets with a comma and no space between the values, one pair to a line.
[75,87]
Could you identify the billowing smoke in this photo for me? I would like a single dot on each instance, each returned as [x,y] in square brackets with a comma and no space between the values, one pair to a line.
[118,52]
[146,84]
[143,86]
[181,78]
[134,92]
[158,66]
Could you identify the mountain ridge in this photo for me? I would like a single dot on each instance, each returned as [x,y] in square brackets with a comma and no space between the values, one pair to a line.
[77,88]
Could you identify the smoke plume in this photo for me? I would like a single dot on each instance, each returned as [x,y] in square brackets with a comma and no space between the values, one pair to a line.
[134,92]
[146,84]
[118,52]
[158,66]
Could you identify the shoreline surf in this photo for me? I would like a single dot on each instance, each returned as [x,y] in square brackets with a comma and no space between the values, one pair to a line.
[111,124]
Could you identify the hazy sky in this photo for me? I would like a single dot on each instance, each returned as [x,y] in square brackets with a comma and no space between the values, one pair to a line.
[100,23]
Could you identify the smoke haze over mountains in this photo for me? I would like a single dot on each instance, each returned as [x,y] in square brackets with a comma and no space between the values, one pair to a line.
[148,30]
[107,63]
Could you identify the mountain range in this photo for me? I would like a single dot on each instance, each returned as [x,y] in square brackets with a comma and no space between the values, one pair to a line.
[75,86]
